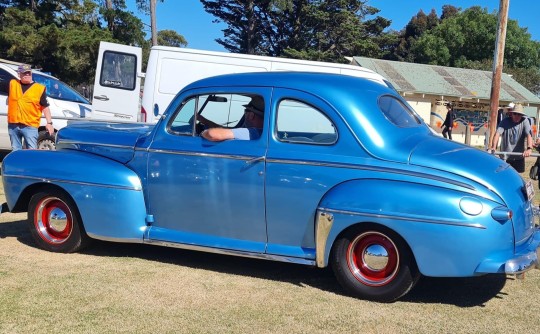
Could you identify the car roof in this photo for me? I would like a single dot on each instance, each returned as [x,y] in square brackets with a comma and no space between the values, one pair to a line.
[12,67]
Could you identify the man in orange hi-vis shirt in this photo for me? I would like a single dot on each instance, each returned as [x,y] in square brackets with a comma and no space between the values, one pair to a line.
[27,100]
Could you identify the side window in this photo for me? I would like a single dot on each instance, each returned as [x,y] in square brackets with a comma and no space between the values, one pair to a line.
[5,78]
[119,70]
[299,122]
[398,113]
[224,110]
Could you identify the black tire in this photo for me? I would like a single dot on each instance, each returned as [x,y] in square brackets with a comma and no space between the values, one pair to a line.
[374,263]
[55,223]
[46,141]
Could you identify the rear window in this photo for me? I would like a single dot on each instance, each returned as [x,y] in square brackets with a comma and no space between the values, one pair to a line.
[398,113]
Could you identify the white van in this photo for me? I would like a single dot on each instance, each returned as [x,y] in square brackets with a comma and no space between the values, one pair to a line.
[65,103]
[118,76]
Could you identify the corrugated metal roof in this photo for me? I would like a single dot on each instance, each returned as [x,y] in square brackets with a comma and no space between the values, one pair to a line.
[447,81]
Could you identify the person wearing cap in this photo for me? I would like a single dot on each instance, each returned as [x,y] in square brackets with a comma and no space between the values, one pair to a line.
[448,121]
[27,101]
[514,131]
[251,127]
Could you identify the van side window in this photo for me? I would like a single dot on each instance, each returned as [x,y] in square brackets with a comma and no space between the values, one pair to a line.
[298,122]
[225,110]
[118,70]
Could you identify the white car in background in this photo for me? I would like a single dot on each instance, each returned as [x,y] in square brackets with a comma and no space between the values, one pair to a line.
[65,104]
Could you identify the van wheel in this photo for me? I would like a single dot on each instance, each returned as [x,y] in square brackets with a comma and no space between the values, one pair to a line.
[55,222]
[46,141]
[374,263]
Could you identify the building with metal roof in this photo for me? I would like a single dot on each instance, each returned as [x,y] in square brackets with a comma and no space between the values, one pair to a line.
[428,88]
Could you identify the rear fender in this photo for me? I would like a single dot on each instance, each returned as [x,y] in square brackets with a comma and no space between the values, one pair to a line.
[109,195]
[444,239]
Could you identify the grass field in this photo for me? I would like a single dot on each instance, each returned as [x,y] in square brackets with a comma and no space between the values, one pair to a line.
[126,288]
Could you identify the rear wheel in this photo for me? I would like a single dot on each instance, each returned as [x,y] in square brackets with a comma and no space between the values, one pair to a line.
[374,263]
[45,141]
[55,222]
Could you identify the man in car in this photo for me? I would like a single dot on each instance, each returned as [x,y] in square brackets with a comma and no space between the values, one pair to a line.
[251,128]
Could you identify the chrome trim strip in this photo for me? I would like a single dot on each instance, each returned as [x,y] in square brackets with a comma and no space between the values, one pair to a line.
[231,252]
[323,224]
[70,142]
[47,180]
[111,239]
[374,169]
[208,155]
[393,217]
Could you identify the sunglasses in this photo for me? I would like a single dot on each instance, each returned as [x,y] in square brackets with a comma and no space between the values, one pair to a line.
[26,73]
[513,113]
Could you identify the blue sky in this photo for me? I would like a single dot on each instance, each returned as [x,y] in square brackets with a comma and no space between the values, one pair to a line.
[188,18]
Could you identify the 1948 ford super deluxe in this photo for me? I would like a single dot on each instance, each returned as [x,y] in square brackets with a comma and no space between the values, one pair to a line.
[345,174]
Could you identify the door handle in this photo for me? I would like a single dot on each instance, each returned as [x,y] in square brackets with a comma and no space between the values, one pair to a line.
[101,97]
[254,160]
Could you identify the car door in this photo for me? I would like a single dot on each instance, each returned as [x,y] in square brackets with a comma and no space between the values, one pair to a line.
[204,193]
[306,158]
[117,83]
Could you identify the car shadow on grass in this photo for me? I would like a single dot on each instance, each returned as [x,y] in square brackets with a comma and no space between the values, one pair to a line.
[462,292]
[17,229]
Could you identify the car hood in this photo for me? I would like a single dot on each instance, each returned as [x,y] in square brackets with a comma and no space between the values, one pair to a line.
[115,141]
[482,169]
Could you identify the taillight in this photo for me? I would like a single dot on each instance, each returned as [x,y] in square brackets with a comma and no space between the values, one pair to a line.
[142,116]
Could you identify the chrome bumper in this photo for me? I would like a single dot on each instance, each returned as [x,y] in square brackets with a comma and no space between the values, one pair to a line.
[527,260]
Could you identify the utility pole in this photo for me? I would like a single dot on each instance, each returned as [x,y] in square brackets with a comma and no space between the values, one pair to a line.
[153,26]
[498,61]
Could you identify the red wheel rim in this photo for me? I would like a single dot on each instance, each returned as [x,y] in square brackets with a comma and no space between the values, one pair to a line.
[53,220]
[373,259]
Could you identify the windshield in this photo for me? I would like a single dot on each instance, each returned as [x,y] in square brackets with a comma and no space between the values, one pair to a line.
[59,90]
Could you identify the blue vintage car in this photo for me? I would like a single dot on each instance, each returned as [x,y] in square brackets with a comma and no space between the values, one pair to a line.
[344,174]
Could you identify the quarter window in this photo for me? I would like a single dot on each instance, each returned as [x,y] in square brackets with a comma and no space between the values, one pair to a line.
[398,113]
[298,122]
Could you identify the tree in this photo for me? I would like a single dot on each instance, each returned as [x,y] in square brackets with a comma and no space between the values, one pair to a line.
[245,20]
[62,36]
[171,38]
[467,39]
[307,29]
[149,7]
[416,27]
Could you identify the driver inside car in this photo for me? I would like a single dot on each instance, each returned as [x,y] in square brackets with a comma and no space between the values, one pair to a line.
[251,127]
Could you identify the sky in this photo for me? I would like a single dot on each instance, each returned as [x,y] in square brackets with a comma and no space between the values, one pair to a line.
[188,18]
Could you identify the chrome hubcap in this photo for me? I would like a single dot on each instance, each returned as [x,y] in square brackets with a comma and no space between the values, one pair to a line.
[375,257]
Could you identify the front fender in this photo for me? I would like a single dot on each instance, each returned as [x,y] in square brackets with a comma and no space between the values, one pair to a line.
[449,232]
[109,195]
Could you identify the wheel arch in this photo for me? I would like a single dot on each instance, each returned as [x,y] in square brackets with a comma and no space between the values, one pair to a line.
[327,236]
[91,182]
[21,205]
[428,217]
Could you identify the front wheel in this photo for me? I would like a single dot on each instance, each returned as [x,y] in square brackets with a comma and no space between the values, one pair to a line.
[374,263]
[46,141]
[55,222]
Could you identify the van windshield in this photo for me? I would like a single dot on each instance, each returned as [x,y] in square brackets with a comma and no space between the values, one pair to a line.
[56,89]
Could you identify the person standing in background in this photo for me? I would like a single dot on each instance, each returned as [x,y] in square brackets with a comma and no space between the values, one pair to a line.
[448,121]
[27,101]
[514,130]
